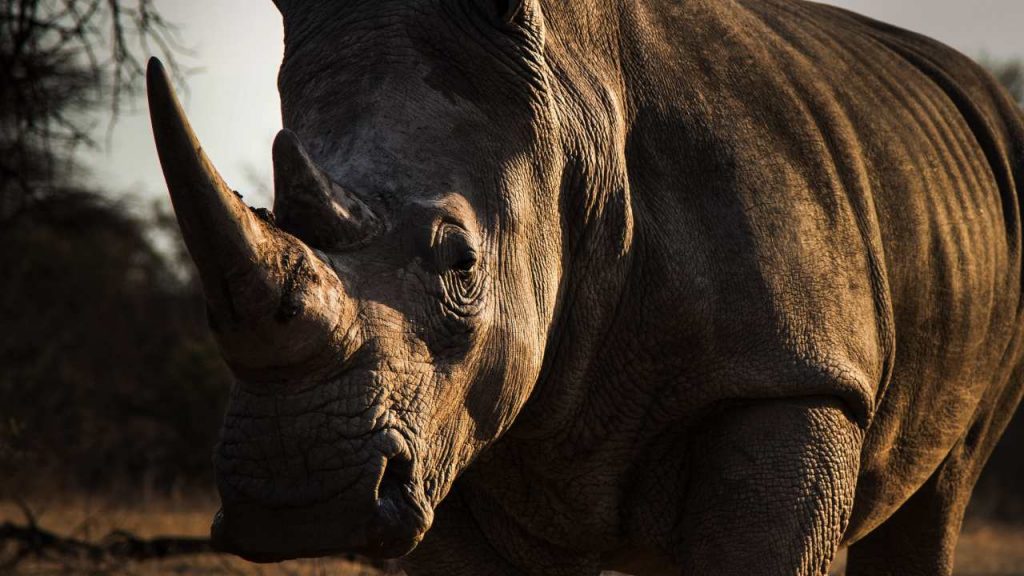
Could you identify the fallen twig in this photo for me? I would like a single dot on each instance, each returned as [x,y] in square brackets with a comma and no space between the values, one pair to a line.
[31,540]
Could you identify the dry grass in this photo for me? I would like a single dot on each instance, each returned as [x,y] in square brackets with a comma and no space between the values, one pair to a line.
[92,519]
[991,550]
[984,550]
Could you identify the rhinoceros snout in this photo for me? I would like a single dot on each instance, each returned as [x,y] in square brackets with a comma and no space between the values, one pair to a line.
[383,513]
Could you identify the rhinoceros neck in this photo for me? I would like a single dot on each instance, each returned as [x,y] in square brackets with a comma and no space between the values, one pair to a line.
[594,486]
[601,398]
[606,389]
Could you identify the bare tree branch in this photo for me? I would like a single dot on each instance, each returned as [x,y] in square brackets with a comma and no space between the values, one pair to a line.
[60,60]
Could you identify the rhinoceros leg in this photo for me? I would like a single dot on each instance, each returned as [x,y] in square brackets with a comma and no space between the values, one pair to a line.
[920,538]
[772,491]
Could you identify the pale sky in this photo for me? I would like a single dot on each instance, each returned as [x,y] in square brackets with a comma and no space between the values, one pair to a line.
[233,104]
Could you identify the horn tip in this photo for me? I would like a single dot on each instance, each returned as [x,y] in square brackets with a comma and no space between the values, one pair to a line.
[286,140]
[158,85]
[155,71]
[289,153]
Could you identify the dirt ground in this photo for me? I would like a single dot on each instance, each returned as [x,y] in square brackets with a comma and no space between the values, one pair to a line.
[984,550]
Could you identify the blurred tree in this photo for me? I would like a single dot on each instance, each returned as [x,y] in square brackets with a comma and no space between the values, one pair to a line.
[1009,73]
[59,60]
[107,372]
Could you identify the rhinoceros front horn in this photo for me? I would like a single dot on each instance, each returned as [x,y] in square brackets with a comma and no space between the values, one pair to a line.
[277,309]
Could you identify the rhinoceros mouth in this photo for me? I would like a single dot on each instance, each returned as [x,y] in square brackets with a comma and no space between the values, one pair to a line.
[389,528]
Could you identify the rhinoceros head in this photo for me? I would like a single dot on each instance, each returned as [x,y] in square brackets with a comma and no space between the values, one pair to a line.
[388,320]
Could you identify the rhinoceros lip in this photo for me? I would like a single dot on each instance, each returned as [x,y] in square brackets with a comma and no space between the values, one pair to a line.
[391,529]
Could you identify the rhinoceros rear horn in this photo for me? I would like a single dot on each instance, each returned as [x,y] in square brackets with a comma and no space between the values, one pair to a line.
[309,205]
[276,308]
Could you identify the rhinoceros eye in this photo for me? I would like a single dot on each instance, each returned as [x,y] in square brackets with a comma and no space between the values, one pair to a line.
[458,263]
[455,250]
[464,257]
[466,263]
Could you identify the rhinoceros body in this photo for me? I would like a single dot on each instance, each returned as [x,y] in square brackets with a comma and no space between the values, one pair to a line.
[698,286]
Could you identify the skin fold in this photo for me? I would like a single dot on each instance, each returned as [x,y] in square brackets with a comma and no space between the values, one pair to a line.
[669,287]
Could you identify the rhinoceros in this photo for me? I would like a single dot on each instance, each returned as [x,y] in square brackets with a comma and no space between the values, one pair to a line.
[657,286]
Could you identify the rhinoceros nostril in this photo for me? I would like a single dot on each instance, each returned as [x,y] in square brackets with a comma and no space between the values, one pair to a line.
[400,518]
[397,478]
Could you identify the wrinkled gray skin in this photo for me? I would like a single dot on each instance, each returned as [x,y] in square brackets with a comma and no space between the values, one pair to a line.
[690,286]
